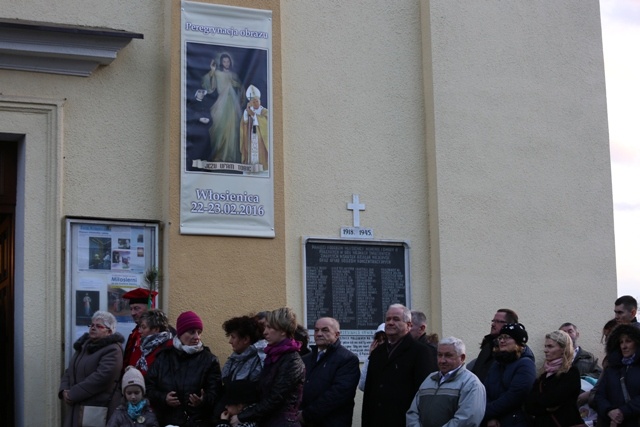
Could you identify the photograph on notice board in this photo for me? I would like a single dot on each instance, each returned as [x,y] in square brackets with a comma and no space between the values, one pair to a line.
[119,306]
[100,253]
[87,303]
[121,260]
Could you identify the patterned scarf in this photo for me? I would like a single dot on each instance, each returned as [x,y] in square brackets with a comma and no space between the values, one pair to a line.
[149,344]
[274,352]
[629,360]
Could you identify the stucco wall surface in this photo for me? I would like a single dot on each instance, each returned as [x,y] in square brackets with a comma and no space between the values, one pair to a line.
[106,132]
[114,120]
[354,124]
[523,177]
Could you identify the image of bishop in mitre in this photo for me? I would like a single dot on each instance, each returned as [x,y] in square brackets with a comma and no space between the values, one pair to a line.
[254,132]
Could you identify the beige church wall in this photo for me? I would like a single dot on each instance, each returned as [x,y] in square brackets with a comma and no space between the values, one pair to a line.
[522,212]
[94,147]
[114,120]
[353,124]
[221,277]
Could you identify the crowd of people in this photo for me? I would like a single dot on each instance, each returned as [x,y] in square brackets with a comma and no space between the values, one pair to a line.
[167,377]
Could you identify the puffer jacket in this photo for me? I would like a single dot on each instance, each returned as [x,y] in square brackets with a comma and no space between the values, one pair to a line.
[176,370]
[121,418]
[280,393]
[92,376]
[508,384]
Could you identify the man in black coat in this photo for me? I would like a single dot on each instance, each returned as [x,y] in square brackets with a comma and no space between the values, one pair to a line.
[332,376]
[481,365]
[396,370]
[419,328]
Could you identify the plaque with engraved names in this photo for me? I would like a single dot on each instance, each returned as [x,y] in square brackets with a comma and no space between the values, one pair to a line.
[354,282]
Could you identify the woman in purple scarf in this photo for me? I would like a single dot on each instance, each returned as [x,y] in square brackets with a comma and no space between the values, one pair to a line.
[282,377]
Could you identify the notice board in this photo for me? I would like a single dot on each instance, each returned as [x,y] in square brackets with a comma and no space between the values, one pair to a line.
[104,260]
[354,282]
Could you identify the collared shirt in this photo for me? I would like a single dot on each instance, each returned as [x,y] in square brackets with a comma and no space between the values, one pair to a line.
[445,377]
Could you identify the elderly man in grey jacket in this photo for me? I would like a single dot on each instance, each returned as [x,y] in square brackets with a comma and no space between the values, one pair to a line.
[452,396]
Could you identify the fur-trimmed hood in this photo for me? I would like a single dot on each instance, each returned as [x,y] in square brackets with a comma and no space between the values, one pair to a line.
[93,346]
[613,343]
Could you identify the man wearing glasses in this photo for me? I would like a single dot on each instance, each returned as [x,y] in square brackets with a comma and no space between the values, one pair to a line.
[481,365]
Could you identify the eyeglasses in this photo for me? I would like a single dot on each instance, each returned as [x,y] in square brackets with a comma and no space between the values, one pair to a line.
[97,326]
[498,321]
[504,338]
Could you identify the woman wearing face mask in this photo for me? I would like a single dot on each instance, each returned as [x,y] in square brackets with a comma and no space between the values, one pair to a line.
[183,383]
[510,378]
[618,395]
[552,401]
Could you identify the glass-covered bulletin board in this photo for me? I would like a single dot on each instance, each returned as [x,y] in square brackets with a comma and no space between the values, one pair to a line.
[104,260]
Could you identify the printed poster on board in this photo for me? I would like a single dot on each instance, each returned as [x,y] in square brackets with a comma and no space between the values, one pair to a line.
[226,183]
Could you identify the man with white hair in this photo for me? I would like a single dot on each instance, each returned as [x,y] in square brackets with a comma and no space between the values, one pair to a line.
[451,395]
[396,370]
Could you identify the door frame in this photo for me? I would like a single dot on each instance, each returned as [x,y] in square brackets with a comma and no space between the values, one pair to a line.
[38,285]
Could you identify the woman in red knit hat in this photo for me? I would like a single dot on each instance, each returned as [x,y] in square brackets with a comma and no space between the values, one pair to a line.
[183,384]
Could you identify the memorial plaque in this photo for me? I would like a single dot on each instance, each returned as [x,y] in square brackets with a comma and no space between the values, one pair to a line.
[354,282]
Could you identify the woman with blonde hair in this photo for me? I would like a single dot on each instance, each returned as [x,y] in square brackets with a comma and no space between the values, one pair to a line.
[282,378]
[552,401]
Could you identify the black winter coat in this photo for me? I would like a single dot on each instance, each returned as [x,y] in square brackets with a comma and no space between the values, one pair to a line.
[484,360]
[556,395]
[175,370]
[609,394]
[280,393]
[392,381]
[330,387]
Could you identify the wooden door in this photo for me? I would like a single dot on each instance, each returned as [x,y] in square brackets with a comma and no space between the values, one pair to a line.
[8,161]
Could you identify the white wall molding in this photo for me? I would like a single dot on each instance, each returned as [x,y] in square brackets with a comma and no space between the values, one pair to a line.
[38,271]
[59,49]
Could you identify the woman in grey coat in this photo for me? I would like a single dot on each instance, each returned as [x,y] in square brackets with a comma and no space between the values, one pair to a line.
[94,370]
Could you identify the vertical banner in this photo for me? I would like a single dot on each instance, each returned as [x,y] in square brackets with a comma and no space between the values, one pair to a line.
[226,177]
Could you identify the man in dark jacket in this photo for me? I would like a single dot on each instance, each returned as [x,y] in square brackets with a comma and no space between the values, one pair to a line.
[481,365]
[585,362]
[396,370]
[419,328]
[332,377]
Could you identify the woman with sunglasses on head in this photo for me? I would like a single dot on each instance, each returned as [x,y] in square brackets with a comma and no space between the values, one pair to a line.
[510,378]
[94,370]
